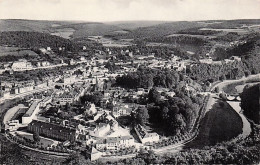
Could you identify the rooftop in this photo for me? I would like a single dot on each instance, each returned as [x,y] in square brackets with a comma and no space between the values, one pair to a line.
[31,109]
[51,126]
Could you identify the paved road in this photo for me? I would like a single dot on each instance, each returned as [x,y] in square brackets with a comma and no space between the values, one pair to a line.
[222,84]
[235,104]
[11,112]
[211,101]
[114,158]
[246,125]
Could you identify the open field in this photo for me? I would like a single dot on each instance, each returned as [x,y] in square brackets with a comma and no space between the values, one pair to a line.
[227,30]
[108,42]
[65,32]
[15,51]
[220,123]
[45,142]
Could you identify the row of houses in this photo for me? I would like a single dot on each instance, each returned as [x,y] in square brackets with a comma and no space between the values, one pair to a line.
[225,61]
[34,109]
[115,143]
[52,130]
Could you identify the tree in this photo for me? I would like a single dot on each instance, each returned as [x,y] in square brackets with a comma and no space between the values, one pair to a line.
[250,102]
[95,98]
[154,96]
[141,115]
[164,114]
[36,137]
[223,96]
[217,89]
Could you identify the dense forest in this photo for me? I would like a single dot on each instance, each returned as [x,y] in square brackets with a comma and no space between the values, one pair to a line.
[35,39]
[190,40]
[250,102]
[243,49]
[206,72]
[197,31]
[146,77]
[173,115]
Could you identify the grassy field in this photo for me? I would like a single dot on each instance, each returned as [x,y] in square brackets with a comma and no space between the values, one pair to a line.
[15,51]
[65,32]
[221,123]
[44,141]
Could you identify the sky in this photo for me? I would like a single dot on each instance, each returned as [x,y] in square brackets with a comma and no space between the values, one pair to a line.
[125,10]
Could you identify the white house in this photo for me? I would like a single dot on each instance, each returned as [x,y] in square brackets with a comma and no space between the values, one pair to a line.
[21,65]
[92,109]
[31,113]
[100,130]
[115,143]
[144,136]
[95,154]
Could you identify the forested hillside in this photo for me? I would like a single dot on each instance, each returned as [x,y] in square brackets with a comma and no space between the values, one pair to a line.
[248,47]
[160,30]
[250,102]
[35,39]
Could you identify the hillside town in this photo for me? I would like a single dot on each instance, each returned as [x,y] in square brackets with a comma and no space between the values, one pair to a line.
[114,91]
[94,125]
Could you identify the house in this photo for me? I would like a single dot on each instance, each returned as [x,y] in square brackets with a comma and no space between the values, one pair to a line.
[45,101]
[206,61]
[65,98]
[91,110]
[121,110]
[81,138]
[21,65]
[43,50]
[72,62]
[82,58]
[66,143]
[43,63]
[5,93]
[91,140]
[140,91]
[31,113]
[235,58]
[95,154]
[170,93]
[115,143]
[25,88]
[100,130]
[12,125]
[52,130]
[144,136]
[114,125]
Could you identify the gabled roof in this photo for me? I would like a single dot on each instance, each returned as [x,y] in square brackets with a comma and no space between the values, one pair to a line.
[54,127]
[94,150]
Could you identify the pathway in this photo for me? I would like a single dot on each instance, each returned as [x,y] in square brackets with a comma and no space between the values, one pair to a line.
[246,125]
[11,112]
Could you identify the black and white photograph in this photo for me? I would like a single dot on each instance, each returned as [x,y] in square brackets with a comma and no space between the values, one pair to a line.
[129,82]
